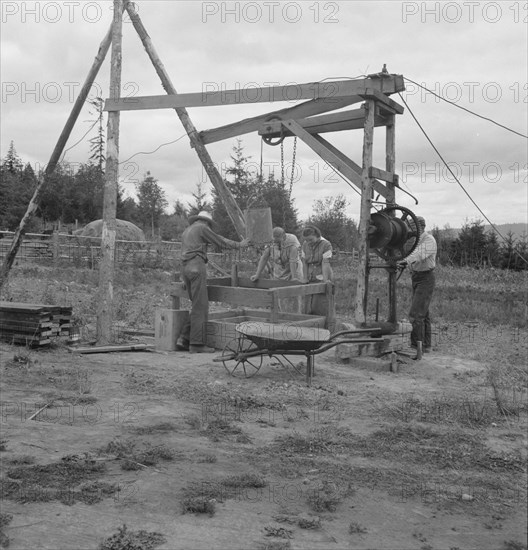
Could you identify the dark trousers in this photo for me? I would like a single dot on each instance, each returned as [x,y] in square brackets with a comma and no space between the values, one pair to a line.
[194,275]
[423,284]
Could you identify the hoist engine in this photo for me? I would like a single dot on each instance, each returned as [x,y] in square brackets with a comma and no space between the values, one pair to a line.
[393,233]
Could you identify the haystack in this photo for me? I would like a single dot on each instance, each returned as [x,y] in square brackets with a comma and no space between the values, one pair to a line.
[125,231]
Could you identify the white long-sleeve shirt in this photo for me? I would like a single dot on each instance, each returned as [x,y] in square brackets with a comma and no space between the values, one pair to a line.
[424,257]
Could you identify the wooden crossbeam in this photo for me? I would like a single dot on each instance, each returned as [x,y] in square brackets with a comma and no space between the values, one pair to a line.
[307,109]
[292,92]
[332,156]
[384,102]
[384,175]
[334,122]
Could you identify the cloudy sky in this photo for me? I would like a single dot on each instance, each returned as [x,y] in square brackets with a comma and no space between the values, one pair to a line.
[472,53]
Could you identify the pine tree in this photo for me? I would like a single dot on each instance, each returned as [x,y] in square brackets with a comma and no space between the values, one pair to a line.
[12,162]
[151,202]
[97,143]
[200,201]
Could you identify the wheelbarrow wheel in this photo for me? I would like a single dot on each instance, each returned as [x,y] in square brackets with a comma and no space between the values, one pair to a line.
[234,361]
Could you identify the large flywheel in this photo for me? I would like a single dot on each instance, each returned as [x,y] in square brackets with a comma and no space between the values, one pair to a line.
[394,233]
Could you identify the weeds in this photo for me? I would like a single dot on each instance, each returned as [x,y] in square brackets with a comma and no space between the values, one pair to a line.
[280,532]
[200,497]
[133,458]
[5,520]
[356,528]
[132,540]
[68,482]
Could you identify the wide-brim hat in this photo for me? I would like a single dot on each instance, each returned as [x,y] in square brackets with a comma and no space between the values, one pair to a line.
[204,216]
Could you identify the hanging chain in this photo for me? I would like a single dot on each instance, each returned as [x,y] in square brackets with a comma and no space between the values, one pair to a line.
[293,167]
[282,162]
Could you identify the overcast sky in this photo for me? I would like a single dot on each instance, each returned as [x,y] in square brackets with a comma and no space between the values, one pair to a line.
[473,53]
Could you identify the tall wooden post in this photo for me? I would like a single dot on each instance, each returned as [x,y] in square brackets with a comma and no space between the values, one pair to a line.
[106,269]
[227,198]
[390,166]
[364,219]
[55,156]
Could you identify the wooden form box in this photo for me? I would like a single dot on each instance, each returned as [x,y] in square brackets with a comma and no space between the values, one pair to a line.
[262,294]
[221,327]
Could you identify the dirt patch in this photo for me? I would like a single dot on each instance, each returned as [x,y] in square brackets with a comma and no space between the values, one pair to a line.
[360,459]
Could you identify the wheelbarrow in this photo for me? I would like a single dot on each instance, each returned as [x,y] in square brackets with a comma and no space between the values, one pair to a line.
[242,356]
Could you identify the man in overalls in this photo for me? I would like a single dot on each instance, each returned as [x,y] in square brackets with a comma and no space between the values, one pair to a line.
[194,274]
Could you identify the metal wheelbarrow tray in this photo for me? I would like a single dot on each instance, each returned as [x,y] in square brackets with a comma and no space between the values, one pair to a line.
[243,355]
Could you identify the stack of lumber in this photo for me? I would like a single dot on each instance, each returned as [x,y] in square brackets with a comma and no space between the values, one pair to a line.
[33,324]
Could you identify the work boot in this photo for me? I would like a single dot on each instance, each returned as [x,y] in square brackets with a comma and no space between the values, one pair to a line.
[182,344]
[200,349]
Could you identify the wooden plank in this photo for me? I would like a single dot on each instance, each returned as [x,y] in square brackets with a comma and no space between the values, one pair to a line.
[389,105]
[292,92]
[264,283]
[168,326]
[219,281]
[334,122]
[309,108]
[390,165]
[340,162]
[383,175]
[364,220]
[239,296]
[105,294]
[300,290]
[110,349]
[377,185]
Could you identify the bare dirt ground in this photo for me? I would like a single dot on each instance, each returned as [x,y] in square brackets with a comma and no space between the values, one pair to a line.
[169,443]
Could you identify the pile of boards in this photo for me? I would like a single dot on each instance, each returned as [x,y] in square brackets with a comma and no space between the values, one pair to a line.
[33,324]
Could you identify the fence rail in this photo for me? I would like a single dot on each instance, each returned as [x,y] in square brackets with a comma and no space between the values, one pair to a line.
[86,251]
[61,248]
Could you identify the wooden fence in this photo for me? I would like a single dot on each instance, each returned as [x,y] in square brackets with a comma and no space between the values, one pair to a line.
[61,248]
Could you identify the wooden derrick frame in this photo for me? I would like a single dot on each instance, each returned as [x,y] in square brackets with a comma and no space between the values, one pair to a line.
[306,120]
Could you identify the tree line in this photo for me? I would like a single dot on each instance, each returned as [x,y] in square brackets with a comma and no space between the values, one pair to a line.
[75,196]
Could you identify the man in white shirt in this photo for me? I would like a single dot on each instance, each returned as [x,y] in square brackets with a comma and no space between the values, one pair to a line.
[421,263]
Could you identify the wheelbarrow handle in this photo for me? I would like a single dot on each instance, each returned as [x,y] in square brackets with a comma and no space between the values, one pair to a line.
[355,331]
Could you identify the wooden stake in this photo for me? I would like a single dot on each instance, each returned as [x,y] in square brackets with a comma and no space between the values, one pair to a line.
[364,220]
[232,208]
[106,269]
[55,156]
[390,166]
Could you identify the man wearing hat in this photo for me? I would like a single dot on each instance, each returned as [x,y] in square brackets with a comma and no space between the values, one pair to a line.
[194,274]
[421,263]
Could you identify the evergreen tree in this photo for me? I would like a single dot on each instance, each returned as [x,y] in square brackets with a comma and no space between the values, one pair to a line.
[470,245]
[12,162]
[283,212]
[507,251]
[151,202]
[330,217]
[97,143]
[200,201]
